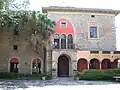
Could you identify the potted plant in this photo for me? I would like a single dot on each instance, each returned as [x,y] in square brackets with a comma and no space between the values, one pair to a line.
[43,78]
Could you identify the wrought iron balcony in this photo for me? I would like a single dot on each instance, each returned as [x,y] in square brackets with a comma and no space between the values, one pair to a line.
[71,46]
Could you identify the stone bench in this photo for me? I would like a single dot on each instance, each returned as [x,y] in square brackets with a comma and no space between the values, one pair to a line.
[117,78]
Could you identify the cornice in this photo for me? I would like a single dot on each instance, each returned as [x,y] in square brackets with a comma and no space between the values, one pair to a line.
[74,9]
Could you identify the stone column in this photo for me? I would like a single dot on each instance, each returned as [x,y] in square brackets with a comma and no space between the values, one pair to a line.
[54,69]
[48,61]
[49,66]
[60,43]
[88,65]
[74,67]
[100,65]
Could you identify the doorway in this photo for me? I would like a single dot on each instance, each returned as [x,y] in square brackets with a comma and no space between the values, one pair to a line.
[63,66]
[36,66]
[14,65]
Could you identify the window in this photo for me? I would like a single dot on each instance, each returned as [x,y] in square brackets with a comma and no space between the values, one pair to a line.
[63,42]
[92,16]
[15,47]
[56,41]
[93,32]
[13,67]
[63,24]
[70,42]
[36,66]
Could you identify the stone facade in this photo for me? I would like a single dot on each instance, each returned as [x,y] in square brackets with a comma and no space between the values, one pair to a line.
[24,54]
[85,52]
[81,20]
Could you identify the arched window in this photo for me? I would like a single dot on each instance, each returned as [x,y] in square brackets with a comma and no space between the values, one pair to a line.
[70,41]
[63,41]
[106,64]
[36,66]
[56,41]
[94,64]
[14,65]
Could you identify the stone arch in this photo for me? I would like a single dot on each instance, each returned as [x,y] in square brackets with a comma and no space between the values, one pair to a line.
[63,67]
[106,63]
[13,65]
[82,64]
[14,60]
[94,64]
[67,55]
[72,60]
[36,65]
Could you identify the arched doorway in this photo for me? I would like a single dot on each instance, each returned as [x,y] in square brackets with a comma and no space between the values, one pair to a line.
[82,64]
[94,64]
[36,66]
[14,65]
[106,64]
[63,66]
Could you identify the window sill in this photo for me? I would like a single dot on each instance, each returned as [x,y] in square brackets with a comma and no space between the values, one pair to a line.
[93,38]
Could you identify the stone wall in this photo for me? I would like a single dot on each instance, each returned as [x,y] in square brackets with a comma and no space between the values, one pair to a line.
[81,22]
[70,54]
[25,53]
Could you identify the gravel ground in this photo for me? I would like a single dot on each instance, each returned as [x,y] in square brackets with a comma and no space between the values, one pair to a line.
[25,84]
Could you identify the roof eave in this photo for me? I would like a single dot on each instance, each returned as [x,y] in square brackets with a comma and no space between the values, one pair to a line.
[109,11]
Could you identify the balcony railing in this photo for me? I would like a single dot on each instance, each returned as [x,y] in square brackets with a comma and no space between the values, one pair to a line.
[105,52]
[116,52]
[72,46]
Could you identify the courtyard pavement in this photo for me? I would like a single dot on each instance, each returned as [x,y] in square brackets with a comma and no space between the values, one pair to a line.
[64,82]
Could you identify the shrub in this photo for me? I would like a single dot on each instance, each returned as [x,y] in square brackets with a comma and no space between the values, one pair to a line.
[6,75]
[95,74]
[47,76]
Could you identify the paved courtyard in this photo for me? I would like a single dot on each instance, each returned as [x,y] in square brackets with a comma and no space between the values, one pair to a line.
[59,82]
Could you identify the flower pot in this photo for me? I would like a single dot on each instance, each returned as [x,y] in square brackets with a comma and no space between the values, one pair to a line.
[43,78]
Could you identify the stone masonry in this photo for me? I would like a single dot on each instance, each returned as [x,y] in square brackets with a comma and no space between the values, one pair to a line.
[80,22]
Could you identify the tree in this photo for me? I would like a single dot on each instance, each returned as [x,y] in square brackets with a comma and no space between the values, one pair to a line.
[36,27]
[4,4]
[39,31]
[41,28]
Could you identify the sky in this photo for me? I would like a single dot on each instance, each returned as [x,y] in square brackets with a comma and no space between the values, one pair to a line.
[103,4]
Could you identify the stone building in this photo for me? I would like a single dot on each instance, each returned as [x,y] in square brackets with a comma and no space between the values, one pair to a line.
[83,39]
